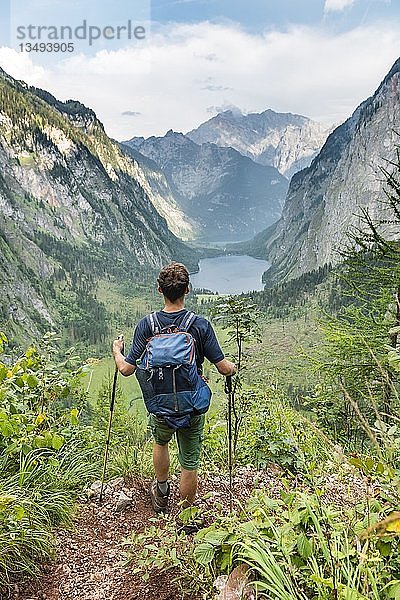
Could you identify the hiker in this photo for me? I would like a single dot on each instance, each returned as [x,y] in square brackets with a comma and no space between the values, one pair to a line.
[173,284]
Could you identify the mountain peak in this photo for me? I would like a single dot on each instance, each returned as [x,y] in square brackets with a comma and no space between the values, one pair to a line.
[79,114]
[175,135]
[227,195]
[63,193]
[395,69]
[233,111]
[76,112]
[286,141]
[14,82]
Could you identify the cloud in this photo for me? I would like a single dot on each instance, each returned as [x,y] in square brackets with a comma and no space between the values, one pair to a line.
[130,113]
[334,5]
[211,85]
[211,57]
[224,107]
[216,88]
[304,70]
[20,66]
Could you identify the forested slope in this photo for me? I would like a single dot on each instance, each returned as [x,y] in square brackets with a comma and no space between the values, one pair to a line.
[74,208]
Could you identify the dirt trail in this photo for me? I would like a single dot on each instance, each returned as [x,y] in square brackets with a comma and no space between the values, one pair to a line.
[88,564]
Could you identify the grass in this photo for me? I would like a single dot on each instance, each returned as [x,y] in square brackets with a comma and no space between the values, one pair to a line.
[280,357]
[27,160]
[102,370]
[35,499]
[208,298]
[125,306]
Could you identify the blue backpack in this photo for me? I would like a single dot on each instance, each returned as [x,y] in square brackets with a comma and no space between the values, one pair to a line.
[167,372]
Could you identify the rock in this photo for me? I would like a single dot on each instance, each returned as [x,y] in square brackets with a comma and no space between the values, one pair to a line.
[116,482]
[207,177]
[236,587]
[94,490]
[220,582]
[285,141]
[326,200]
[72,179]
[124,501]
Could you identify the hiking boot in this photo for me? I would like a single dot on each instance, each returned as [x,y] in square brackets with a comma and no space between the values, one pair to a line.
[159,501]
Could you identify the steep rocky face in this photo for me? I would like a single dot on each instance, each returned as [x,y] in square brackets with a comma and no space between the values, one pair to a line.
[282,140]
[228,196]
[73,206]
[156,185]
[326,199]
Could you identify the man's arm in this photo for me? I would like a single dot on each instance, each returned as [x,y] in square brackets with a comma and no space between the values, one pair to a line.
[123,367]
[213,352]
[226,367]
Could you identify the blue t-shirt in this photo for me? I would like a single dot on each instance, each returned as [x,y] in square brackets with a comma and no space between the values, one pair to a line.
[207,345]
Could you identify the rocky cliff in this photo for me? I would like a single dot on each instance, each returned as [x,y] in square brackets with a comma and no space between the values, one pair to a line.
[326,199]
[155,183]
[282,140]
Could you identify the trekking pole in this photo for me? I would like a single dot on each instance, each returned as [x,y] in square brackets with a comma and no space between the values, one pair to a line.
[229,392]
[110,416]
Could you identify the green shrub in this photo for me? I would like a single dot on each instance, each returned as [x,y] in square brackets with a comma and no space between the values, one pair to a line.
[271,432]
[47,454]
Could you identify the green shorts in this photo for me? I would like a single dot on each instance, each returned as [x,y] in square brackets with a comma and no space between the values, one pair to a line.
[190,439]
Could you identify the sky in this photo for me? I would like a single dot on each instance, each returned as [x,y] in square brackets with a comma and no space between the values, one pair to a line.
[319,58]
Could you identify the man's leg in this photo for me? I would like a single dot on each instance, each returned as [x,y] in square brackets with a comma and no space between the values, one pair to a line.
[161,461]
[187,487]
[159,489]
[190,440]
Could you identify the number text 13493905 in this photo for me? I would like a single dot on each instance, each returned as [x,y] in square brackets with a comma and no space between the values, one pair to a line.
[47,47]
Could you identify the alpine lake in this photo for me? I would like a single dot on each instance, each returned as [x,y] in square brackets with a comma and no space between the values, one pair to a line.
[230,274]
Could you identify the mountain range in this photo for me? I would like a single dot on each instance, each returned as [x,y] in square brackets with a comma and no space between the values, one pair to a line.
[75,209]
[326,199]
[285,141]
[226,196]
[81,214]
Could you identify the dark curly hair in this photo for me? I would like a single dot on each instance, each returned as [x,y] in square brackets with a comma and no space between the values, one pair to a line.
[173,281]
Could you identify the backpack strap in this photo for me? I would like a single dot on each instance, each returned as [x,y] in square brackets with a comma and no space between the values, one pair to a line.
[156,328]
[187,321]
[154,323]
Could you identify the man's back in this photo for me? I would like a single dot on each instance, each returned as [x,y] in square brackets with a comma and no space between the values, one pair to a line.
[207,345]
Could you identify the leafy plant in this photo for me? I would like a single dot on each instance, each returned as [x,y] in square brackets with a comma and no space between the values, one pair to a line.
[163,548]
[358,362]
[301,548]
[47,454]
